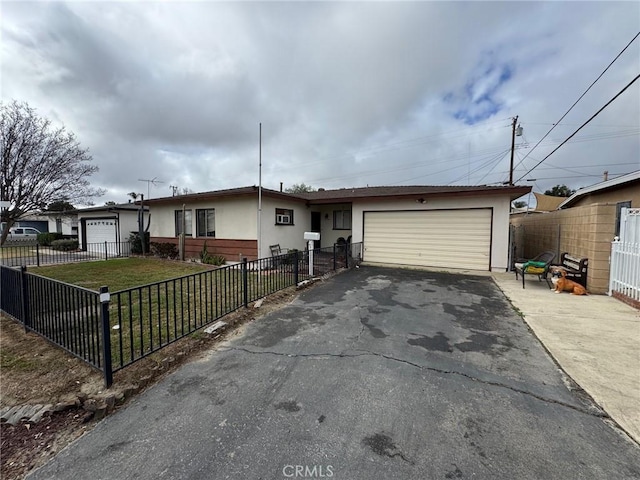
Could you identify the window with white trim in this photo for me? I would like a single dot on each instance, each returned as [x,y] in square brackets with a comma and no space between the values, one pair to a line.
[284,216]
[342,219]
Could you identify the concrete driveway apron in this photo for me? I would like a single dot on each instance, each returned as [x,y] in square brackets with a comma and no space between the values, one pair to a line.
[374,374]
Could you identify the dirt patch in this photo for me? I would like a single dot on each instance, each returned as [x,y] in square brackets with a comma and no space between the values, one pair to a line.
[26,446]
[33,371]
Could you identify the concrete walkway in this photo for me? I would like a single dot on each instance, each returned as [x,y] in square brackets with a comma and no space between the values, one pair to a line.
[595,339]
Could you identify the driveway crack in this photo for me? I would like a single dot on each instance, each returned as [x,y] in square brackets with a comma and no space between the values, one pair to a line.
[594,411]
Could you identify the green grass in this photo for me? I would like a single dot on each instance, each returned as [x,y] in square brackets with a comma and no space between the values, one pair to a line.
[117,274]
[147,318]
[10,360]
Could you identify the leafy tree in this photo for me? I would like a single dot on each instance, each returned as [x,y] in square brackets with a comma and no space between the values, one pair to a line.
[300,188]
[39,164]
[519,204]
[560,191]
[110,203]
[60,206]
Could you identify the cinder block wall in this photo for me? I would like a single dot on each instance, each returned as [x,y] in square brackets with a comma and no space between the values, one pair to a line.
[585,231]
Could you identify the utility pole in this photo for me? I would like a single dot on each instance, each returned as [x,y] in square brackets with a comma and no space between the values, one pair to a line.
[513,147]
[259,191]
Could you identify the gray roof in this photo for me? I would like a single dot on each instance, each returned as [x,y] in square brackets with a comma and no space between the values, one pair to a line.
[110,208]
[601,187]
[357,193]
[362,193]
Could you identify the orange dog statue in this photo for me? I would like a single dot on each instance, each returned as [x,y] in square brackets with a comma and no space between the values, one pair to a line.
[563,284]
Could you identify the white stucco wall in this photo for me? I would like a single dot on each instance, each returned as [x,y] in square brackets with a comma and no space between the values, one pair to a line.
[500,224]
[235,218]
[287,236]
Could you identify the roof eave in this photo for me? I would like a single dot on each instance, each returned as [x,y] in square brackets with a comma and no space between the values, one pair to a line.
[600,187]
[513,192]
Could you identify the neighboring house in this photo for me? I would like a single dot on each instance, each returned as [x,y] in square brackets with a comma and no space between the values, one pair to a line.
[38,221]
[443,227]
[584,225]
[108,223]
[65,223]
[624,191]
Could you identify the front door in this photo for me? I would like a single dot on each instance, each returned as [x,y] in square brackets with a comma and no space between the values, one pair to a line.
[316,222]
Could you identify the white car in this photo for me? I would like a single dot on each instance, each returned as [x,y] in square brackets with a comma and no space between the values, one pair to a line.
[20,233]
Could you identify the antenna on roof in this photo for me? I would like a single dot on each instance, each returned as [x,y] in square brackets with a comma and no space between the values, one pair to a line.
[153,181]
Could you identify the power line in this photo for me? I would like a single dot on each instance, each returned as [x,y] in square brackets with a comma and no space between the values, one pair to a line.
[581,96]
[582,126]
[611,175]
[379,149]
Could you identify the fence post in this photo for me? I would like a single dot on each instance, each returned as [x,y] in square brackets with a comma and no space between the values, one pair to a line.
[334,256]
[106,251]
[347,248]
[613,264]
[37,254]
[24,303]
[105,298]
[245,282]
[296,267]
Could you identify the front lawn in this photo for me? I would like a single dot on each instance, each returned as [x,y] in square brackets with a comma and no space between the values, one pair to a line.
[117,274]
[153,302]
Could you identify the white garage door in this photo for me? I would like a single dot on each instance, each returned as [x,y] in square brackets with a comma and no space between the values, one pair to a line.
[429,238]
[101,230]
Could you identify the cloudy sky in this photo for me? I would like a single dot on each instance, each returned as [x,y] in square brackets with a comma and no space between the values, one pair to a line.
[348,93]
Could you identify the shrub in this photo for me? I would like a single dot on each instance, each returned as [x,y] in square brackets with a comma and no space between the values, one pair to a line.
[206,257]
[65,245]
[164,250]
[204,253]
[136,244]
[45,239]
[217,260]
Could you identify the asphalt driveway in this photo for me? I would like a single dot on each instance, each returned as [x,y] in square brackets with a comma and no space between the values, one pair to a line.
[374,374]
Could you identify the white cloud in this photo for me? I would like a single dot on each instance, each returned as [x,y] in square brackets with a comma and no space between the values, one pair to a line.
[349,94]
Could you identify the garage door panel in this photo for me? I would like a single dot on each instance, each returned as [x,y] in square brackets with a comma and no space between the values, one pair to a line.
[433,238]
[101,230]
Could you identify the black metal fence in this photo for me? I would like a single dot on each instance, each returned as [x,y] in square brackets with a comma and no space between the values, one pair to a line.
[67,315]
[111,330]
[33,254]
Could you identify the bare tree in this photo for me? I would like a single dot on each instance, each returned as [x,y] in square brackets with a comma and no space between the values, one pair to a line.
[40,164]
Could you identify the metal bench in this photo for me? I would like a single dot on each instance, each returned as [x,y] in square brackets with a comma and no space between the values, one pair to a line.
[575,267]
[276,250]
[523,267]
